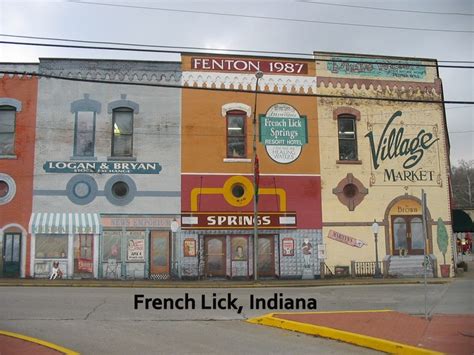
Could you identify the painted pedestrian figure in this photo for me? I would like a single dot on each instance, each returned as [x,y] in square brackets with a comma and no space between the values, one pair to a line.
[307,249]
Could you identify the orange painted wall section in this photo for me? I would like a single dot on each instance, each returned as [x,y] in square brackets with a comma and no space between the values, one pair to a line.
[18,210]
[204,133]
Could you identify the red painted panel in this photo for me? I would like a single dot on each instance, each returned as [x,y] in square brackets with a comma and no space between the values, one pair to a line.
[303,194]
[18,210]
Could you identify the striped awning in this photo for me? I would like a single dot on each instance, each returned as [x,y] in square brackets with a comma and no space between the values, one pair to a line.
[64,223]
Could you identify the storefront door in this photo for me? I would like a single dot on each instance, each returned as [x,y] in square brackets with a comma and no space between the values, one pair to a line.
[84,255]
[11,254]
[215,256]
[160,254]
[266,256]
[407,233]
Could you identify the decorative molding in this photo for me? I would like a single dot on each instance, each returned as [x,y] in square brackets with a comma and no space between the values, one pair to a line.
[113,70]
[7,101]
[86,105]
[358,193]
[237,81]
[382,88]
[346,110]
[123,102]
[236,106]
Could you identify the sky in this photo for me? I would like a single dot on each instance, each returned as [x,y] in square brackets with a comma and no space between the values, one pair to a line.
[439,29]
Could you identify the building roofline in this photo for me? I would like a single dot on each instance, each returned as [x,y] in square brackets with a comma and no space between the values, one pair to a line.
[295,57]
[343,54]
[112,60]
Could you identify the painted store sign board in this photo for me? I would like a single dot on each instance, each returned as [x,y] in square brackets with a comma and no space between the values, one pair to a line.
[244,65]
[242,220]
[343,238]
[389,68]
[404,154]
[136,222]
[102,167]
[283,132]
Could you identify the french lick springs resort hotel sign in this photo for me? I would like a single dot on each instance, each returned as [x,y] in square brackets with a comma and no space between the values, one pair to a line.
[283,133]
[404,153]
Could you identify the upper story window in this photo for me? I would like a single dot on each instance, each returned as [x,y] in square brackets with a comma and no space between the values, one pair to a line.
[7,130]
[85,111]
[347,134]
[84,139]
[236,134]
[122,136]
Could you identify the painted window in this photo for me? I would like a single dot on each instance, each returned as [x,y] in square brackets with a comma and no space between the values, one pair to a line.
[7,130]
[236,134]
[51,246]
[347,135]
[122,136]
[84,138]
[112,248]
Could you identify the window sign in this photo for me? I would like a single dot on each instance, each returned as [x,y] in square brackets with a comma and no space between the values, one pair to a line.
[288,246]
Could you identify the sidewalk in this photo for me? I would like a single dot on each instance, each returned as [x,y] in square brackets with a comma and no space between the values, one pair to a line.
[387,331]
[16,344]
[214,283]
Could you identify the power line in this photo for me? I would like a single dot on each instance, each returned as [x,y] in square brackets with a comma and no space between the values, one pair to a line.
[202,48]
[386,9]
[268,17]
[388,99]
[338,60]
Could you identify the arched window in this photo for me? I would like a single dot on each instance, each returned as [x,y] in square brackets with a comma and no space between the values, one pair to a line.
[236,134]
[7,130]
[85,111]
[122,132]
[347,136]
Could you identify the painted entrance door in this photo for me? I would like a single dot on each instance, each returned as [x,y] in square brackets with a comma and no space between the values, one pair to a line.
[215,256]
[84,254]
[266,256]
[160,253]
[407,233]
[11,254]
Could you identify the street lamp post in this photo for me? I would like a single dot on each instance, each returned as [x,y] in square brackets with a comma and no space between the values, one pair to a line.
[174,228]
[375,230]
[258,75]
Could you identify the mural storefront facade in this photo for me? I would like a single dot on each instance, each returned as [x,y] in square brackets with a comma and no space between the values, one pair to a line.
[18,100]
[218,168]
[110,152]
[388,152]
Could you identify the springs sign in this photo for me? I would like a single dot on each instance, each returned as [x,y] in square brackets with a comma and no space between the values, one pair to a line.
[283,132]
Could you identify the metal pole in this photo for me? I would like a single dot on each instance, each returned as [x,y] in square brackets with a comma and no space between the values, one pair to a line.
[377,269]
[258,75]
[425,258]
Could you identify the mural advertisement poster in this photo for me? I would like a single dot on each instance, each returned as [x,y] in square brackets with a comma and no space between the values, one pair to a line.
[136,249]
[288,246]
[189,247]
[283,132]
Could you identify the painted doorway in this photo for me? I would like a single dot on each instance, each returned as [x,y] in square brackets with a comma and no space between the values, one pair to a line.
[407,233]
[84,255]
[11,254]
[215,253]
[266,256]
[160,255]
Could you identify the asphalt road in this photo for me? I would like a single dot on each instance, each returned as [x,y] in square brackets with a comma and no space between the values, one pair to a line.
[103,320]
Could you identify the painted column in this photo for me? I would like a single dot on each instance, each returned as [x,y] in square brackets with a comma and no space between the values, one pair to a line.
[23,254]
[95,258]
[70,255]
[32,256]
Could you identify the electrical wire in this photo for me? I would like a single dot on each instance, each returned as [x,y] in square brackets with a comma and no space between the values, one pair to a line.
[338,60]
[385,9]
[170,86]
[267,17]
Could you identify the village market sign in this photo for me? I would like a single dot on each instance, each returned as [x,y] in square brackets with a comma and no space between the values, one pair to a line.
[393,144]
[101,167]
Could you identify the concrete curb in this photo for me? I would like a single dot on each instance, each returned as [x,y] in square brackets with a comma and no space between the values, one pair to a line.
[384,345]
[44,343]
[210,284]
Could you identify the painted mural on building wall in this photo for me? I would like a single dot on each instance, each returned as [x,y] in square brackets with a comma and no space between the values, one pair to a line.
[283,133]
[404,153]
[376,67]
